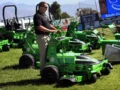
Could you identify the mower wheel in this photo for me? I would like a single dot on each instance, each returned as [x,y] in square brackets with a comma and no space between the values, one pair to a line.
[109,65]
[97,46]
[93,78]
[106,71]
[26,61]
[50,74]
[99,74]
[5,48]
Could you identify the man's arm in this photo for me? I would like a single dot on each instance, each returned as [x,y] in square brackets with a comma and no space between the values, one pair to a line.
[52,27]
[44,29]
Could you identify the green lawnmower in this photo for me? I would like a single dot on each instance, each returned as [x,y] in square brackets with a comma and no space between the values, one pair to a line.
[13,30]
[62,64]
[88,36]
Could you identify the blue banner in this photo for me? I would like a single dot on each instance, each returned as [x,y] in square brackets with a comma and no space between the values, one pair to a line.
[113,8]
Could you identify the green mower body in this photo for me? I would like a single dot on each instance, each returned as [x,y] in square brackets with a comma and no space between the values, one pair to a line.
[62,64]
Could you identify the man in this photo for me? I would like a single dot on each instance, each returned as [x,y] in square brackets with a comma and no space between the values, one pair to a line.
[42,29]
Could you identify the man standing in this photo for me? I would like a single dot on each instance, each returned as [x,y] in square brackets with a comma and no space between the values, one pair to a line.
[42,29]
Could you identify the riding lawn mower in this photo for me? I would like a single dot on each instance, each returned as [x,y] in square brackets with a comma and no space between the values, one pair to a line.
[62,63]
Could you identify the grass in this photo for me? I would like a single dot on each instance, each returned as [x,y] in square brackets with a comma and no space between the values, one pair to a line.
[13,78]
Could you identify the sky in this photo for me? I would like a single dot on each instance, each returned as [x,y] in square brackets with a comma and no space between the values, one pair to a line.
[30,2]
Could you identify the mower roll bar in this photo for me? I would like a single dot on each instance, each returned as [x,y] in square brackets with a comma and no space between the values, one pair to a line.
[3,13]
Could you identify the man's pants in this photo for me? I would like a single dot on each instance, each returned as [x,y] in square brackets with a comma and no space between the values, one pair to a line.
[42,41]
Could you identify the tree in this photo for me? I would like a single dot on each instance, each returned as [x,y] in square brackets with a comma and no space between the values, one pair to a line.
[55,10]
[65,15]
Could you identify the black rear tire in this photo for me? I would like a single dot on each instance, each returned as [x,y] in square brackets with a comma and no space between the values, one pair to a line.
[26,61]
[106,71]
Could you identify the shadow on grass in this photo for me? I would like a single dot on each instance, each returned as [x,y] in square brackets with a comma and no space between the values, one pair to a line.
[66,84]
[24,83]
[41,82]
[16,67]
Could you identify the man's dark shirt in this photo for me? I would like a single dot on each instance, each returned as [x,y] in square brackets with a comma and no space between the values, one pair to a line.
[41,19]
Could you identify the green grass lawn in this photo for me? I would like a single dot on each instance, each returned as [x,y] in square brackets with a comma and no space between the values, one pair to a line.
[13,78]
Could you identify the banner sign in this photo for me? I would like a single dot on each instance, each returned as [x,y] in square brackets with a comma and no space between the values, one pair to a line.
[109,8]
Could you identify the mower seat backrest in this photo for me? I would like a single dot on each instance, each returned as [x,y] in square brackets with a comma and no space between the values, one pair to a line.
[8,25]
[17,26]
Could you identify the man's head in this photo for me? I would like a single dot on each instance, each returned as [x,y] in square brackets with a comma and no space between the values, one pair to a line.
[43,7]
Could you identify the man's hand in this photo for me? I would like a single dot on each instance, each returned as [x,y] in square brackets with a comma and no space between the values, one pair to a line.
[54,31]
[58,31]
